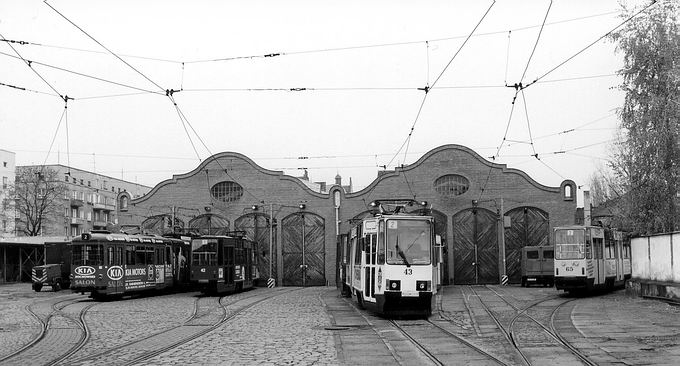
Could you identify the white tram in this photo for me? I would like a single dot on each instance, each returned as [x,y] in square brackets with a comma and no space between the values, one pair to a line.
[391,260]
[590,257]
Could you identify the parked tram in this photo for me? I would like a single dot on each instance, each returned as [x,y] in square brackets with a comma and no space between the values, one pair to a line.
[224,263]
[590,257]
[391,260]
[104,264]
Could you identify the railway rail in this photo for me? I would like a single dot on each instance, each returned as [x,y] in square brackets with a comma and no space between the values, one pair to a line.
[61,332]
[519,338]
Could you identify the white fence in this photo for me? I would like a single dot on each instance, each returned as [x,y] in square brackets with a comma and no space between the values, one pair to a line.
[656,258]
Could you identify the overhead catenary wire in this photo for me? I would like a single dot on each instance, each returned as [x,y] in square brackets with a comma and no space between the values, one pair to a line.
[592,43]
[100,44]
[434,83]
[25,89]
[85,75]
[407,142]
[274,54]
[168,92]
[28,63]
[518,88]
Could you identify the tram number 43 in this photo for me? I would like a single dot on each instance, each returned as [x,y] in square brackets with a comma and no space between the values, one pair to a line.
[408,271]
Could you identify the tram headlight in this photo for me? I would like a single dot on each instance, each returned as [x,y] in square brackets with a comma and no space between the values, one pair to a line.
[423,285]
[394,285]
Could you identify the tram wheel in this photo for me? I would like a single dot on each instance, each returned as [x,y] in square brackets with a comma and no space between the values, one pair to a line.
[37,287]
[56,287]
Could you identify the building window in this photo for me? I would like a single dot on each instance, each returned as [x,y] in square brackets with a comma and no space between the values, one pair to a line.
[227,191]
[81,182]
[4,225]
[66,178]
[4,182]
[89,183]
[123,203]
[74,180]
[4,164]
[568,190]
[451,185]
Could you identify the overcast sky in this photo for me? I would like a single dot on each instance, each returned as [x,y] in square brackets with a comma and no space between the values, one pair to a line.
[342,88]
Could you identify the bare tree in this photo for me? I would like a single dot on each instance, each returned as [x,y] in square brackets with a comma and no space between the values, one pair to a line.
[39,199]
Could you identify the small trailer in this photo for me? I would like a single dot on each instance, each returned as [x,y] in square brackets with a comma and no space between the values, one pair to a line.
[537,266]
[56,270]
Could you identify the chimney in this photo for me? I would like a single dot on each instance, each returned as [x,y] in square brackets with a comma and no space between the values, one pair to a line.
[338,180]
[587,207]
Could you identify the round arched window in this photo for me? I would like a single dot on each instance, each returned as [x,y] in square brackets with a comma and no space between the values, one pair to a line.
[451,185]
[226,191]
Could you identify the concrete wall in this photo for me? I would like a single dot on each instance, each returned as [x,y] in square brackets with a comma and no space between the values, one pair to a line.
[656,258]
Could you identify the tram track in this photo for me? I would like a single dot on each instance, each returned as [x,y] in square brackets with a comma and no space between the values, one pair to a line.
[520,339]
[462,346]
[431,339]
[209,313]
[61,334]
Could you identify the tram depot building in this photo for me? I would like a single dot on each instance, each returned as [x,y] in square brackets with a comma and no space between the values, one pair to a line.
[482,234]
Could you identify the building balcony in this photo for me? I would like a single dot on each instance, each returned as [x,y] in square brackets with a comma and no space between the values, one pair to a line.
[97,223]
[104,206]
[76,202]
[77,221]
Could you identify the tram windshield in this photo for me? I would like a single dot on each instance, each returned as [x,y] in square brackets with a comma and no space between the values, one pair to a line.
[408,242]
[569,244]
[204,252]
[87,255]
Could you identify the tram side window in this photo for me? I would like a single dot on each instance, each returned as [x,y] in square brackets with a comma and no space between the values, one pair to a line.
[130,255]
[589,249]
[608,249]
[140,254]
[119,256]
[357,251]
[88,255]
[626,249]
[229,259]
[168,255]
[532,254]
[374,245]
[381,242]
[367,248]
[597,245]
[110,259]
[149,255]
[548,254]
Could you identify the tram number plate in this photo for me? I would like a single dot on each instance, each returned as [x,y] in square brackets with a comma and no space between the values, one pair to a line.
[408,271]
[569,269]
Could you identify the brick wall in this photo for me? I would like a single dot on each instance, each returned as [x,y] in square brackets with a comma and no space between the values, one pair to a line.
[190,193]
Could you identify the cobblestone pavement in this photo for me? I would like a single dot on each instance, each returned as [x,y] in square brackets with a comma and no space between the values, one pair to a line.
[315,326]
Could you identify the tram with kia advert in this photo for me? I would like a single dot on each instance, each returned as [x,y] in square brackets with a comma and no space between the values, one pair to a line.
[590,258]
[106,264]
[223,263]
[392,259]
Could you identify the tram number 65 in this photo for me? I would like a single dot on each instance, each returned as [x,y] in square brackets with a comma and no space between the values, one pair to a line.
[408,271]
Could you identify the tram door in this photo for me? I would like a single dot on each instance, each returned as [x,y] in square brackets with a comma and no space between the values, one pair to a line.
[598,255]
[370,245]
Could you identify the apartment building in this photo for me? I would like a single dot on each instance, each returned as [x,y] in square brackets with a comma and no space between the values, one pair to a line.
[7,212]
[89,200]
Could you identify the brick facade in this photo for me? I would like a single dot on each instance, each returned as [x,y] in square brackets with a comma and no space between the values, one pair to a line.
[187,196]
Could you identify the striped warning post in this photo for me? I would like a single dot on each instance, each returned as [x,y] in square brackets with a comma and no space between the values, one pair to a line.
[271,282]
[504,280]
